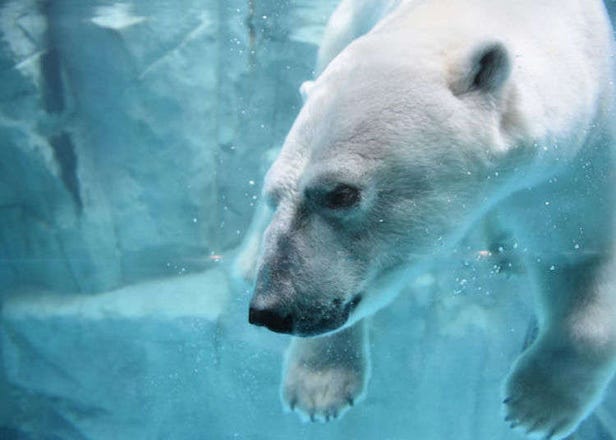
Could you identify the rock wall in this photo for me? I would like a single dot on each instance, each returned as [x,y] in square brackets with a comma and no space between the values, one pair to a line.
[132,135]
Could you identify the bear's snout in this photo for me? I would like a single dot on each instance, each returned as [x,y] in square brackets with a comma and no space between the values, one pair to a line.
[291,297]
[310,321]
[268,307]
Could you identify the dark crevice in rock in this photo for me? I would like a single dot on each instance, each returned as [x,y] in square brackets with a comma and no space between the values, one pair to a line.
[252,33]
[53,89]
[64,153]
[54,103]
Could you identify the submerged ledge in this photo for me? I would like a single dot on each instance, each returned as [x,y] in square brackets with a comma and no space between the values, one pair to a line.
[203,295]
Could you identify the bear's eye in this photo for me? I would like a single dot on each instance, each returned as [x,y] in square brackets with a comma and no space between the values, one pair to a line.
[342,197]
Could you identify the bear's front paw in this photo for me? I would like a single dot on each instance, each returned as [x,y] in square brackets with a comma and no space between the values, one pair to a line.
[549,393]
[322,394]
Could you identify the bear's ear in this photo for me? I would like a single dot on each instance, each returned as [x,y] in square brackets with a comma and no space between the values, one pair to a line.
[486,70]
[305,89]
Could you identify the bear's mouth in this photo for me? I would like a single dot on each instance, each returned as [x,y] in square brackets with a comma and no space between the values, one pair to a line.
[354,302]
[306,322]
[336,317]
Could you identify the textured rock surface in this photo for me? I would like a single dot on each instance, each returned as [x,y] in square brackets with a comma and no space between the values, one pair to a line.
[175,359]
[123,364]
[133,134]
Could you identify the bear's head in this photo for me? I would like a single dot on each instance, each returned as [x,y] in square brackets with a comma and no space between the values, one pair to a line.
[381,169]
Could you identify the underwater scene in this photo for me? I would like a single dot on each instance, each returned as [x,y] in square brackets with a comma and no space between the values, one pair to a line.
[307,219]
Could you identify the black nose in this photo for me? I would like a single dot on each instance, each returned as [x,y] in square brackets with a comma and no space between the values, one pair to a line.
[272,319]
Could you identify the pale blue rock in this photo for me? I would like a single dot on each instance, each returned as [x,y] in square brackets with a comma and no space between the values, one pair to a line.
[133,134]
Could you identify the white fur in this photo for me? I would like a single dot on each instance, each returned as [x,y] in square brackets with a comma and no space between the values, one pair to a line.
[350,20]
[409,114]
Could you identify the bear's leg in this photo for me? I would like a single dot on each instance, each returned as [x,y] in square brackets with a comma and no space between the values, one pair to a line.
[560,379]
[324,376]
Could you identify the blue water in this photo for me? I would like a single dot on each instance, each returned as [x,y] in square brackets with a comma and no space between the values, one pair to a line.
[134,137]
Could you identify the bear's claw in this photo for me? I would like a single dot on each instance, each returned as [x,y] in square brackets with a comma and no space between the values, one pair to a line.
[322,395]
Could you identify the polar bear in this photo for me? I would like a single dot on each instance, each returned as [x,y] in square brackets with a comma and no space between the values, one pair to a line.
[424,120]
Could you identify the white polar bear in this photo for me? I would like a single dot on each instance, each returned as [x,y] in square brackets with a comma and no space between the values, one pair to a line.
[443,111]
